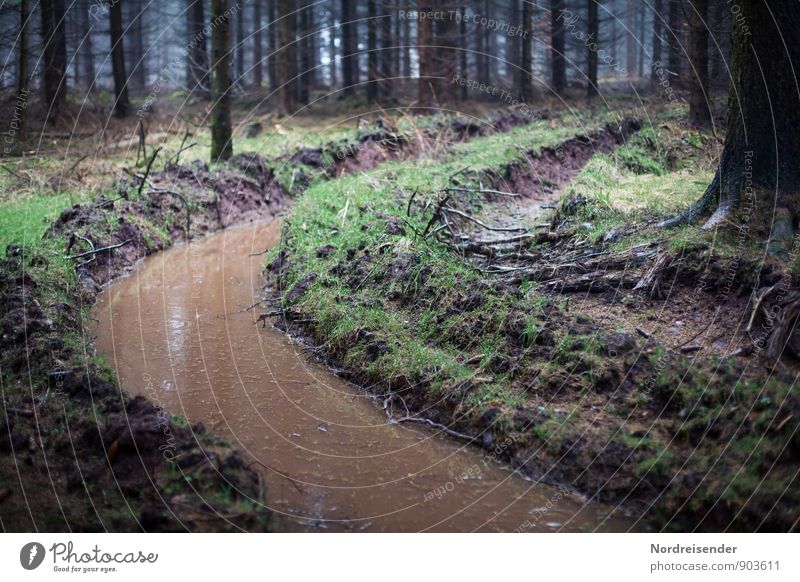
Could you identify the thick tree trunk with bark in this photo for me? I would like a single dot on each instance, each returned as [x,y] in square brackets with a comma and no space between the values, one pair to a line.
[425,43]
[305,62]
[558,46]
[22,62]
[197,51]
[258,54]
[699,112]
[122,104]
[762,148]
[592,48]
[138,61]
[445,54]
[54,57]
[675,36]
[658,28]
[386,60]
[286,58]
[372,52]
[350,73]
[221,142]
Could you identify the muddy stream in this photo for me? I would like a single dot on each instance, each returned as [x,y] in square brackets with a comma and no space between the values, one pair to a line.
[176,331]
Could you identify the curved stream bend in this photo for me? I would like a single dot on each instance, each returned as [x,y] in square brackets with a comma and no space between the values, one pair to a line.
[176,330]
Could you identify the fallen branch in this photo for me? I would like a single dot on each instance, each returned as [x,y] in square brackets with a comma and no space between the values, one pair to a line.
[100,250]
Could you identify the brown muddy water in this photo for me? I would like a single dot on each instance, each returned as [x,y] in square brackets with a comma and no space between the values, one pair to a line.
[177,331]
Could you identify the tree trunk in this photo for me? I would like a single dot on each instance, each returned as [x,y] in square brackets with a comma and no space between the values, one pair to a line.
[350,73]
[287,59]
[138,70]
[22,66]
[87,49]
[221,142]
[425,48]
[197,52]
[658,6]
[630,37]
[699,112]
[332,46]
[592,48]
[238,48]
[387,53]
[54,56]
[273,32]
[372,52]
[462,42]
[513,55]
[258,55]
[445,54]
[305,63]
[122,105]
[558,45]
[761,148]
[675,35]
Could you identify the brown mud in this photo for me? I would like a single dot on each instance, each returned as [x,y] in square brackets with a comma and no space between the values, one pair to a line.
[78,453]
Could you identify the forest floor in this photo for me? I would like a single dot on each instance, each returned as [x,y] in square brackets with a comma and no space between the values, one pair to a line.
[613,355]
[76,452]
[516,289]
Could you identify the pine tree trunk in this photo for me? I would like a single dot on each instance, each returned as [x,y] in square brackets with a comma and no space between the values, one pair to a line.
[54,56]
[22,64]
[762,149]
[350,73]
[425,43]
[332,46]
[138,69]
[197,53]
[287,60]
[445,54]
[462,42]
[675,35]
[558,46]
[387,52]
[372,52]
[591,49]
[87,49]
[699,112]
[122,105]
[221,142]
[305,64]
[258,54]
[658,6]
[273,34]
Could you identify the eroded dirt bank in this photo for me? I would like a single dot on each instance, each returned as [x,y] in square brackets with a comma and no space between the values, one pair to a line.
[79,453]
[497,332]
[332,459]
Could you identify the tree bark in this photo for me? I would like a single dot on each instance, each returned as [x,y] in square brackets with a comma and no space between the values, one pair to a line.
[273,33]
[558,46]
[387,52]
[258,55]
[675,35]
[287,59]
[221,142]
[138,70]
[332,46]
[87,49]
[122,104]
[54,56]
[197,51]
[658,6]
[445,54]
[699,112]
[425,50]
[591,49]
[462,43]
[350,72]
[305,62]
[372,52]
[761,154]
